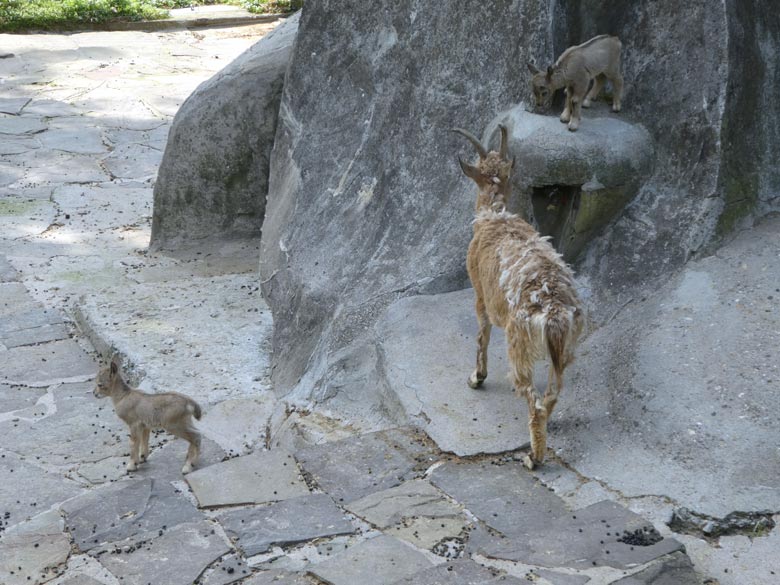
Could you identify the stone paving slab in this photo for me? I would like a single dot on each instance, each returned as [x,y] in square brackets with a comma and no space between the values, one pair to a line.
[279,578]
[13,105]
[586,538]
[431,384]
[412,498]
[226,570]
[358,466]
[440,535]
[17,398]
[125,509]
[256,530]
[674,570]
[239,425]
[7,272]
[77,428]
[379,561]
[27,490]
[44,365]
[177,556]
[262,477]
[505,497]
[32,552]
[461,572]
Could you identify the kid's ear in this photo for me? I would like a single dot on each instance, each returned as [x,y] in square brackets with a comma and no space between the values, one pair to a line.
[549,72]
[115,363]
[532,68]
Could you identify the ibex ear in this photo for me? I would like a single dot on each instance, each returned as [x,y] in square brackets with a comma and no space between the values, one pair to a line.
[470,171]
[549,72]
[115,363]
[532,68]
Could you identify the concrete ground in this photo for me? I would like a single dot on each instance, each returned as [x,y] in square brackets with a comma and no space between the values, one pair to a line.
[83,124]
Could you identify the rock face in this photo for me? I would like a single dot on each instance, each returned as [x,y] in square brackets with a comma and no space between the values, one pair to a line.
[701,80]
[367,202]
[213,178]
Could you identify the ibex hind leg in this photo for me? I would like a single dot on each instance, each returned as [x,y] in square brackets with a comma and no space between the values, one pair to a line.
[483,339]
[598,84]
[566,114]
[145,445]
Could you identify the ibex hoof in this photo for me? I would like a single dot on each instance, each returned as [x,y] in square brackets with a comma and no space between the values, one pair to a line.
[565,119]
[616,108]
[585,103]
[528,462]
[573,127]
[187,468]
[131,467]
[475,381]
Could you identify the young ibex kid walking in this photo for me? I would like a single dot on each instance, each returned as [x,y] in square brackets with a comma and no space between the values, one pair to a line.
[521,285]
[143,413]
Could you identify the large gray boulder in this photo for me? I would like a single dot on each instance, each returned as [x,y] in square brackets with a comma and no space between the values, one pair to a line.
[213,178]
[366,201]
[367,204]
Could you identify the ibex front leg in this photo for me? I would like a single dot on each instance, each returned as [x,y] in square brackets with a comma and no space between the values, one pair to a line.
[483,339]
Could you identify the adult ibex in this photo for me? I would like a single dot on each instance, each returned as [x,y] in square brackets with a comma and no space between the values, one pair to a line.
[521,285]
[597,59]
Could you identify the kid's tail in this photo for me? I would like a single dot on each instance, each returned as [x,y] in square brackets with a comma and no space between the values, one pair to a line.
[194,409]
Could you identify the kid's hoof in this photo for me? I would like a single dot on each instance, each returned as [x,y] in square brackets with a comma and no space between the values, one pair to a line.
[186,469]
[573,127]
[475,381]
[616,108]
[528,462]
[586,103]
[565,119]
[131,467]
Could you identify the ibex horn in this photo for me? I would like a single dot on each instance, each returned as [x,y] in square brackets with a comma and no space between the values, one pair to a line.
[477,144]
[504,145]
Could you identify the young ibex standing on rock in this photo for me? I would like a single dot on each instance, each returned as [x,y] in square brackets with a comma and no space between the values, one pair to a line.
[523,286]
[598,59]
[143,413]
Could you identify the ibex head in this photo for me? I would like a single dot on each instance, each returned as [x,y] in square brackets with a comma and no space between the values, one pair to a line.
[542,86]
[492,173]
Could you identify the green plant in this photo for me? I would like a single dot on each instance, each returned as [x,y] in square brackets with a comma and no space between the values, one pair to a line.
[18,15]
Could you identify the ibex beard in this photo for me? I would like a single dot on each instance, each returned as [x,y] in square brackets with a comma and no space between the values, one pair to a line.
[143,413]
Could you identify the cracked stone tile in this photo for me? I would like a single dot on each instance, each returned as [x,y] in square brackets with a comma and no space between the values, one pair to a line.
[226,570]
[279,578]
[35,335]
[380,561]
[461,572]
[176,556]
[52,166]
[22,217]
[46,108]
[19,145]
[426,533]
[167,461]
[17,125]
[41,489]
[13,106]
[581,539]
[261,477]
[256,530]
[47,364]
[78,428]
[7,272]
[239,425]
[412,498]
[125,509]
[133,161]
[14,398]
[33,552]
[78,140]
[358,466]
[675,569]
[506,497]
